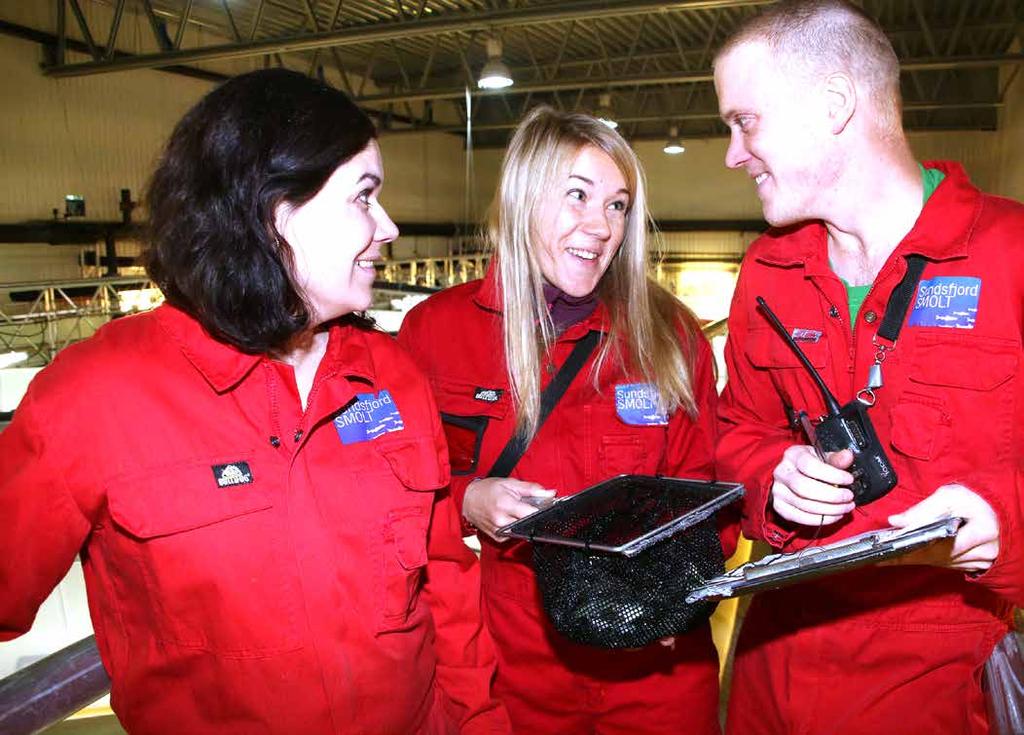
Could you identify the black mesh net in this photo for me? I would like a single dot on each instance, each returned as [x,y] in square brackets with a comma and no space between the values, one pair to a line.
[616,601]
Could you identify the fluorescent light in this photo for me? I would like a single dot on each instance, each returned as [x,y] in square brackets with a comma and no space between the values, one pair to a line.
[674,145]
[494,75]
[604,111]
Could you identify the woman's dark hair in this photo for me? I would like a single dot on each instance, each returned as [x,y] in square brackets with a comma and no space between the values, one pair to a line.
[256,141]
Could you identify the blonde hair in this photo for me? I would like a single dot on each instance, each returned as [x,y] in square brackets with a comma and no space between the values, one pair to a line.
[823,36]
[644,317]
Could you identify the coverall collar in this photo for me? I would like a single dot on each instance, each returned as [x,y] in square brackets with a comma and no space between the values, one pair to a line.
[488,296]
[220,364]
[942,231]
[224,366]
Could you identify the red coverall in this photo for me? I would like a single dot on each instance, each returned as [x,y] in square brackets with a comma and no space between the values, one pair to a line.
[884,649]
[236,586]
[549,684]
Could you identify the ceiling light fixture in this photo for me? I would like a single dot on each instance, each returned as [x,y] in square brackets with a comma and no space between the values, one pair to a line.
[674,145]
[604,111]
[494,75]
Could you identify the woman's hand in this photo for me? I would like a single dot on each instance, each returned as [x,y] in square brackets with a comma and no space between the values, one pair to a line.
[493,502]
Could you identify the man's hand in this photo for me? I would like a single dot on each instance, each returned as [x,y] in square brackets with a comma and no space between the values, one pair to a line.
[493,502]
[809,491]
[976,545]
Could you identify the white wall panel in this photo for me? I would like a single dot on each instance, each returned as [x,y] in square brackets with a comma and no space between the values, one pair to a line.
[705,245]
[39,263]
[424,177]
[90,136]
[696,184]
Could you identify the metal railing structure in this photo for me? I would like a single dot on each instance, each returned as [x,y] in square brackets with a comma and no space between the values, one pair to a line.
[43,317]
[51,689]
[436,271]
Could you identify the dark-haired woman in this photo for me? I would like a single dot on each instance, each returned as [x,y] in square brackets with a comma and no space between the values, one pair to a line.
[252,474]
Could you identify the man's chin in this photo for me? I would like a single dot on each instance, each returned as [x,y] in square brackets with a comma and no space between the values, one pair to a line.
[781,219]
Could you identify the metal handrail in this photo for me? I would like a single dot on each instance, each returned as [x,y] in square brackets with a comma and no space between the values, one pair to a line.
[52,689]
[716,327]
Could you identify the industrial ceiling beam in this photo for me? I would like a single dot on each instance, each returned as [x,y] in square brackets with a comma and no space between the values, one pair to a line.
[509,124]
[552,85]
[449,23]
[684,77]
[48,40]
[670,117]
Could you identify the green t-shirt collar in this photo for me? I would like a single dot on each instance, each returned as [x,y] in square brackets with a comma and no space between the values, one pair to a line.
[855,295]
[930,178]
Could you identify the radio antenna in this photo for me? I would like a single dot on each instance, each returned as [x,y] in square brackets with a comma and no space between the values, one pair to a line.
[830,400]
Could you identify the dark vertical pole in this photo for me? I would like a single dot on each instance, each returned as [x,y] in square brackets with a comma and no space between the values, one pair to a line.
[110,248]
[62,31]
[126,206]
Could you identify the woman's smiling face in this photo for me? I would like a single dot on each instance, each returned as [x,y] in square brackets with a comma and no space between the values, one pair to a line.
[337,235]
[582,222]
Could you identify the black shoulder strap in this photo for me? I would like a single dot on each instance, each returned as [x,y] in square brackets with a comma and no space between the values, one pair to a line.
[899,300]
[517,445]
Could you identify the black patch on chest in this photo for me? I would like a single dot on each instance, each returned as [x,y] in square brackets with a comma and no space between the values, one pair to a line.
[231,474]
[488,395]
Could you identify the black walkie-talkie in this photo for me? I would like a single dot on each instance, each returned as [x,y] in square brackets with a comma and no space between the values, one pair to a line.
[843,427]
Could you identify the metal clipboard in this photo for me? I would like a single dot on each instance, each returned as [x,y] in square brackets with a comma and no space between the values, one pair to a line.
[780,570]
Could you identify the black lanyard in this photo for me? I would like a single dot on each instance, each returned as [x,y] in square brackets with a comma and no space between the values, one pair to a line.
[892,322]
[517,445]
[899,300]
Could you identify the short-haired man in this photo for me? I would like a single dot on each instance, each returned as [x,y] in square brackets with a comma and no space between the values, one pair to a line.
[810,92]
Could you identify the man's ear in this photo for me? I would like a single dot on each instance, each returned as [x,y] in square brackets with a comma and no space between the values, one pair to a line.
[841,100]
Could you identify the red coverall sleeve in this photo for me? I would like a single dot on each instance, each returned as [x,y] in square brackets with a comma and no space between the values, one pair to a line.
[457,489]
[465,653]
[1006,496]
[691,439]
[43,527]
[753,429]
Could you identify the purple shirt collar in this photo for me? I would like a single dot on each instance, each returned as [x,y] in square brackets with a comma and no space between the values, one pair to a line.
[567,310]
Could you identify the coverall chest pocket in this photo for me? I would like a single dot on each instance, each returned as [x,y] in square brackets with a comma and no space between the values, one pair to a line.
[958,402]
[621,448]
[417,471]
[466,412]
[767,351]
[202,559]
[621,454]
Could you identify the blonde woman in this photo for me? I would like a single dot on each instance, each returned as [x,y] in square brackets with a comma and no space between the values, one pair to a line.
[568,228]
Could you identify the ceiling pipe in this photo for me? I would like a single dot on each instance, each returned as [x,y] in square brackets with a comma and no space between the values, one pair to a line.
[425,27]
[679,117]
[647,80]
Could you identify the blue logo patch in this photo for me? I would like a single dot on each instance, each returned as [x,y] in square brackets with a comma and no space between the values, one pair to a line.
[946,301]
[637,405]
[369,417]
